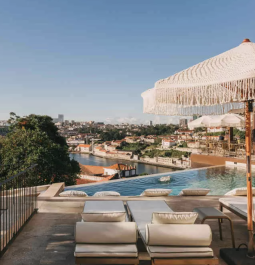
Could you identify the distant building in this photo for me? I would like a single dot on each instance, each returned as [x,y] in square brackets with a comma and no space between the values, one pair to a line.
[167,143]
[84,148]
[183,123]
[90,174]
[60,118]
[183,132]
[150,123]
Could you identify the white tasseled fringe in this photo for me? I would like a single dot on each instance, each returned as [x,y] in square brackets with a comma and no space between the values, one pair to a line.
[202,100]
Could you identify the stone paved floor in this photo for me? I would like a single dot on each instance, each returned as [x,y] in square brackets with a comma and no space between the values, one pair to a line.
[48,238]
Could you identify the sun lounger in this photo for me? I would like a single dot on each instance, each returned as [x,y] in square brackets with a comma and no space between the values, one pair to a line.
[104,206]
[109,242]
[236,205]
[171,243]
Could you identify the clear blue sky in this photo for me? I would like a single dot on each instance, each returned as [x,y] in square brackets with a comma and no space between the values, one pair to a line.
[91,60]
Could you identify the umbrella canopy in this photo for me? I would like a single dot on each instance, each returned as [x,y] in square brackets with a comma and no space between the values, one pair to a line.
[203,121]
[228,120]
[214,86]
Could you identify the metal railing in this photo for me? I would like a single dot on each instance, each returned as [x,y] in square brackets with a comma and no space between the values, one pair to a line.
[18,202]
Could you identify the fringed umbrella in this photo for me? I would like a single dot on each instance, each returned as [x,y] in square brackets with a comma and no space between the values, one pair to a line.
[214,86]
[228,120]
[203,121]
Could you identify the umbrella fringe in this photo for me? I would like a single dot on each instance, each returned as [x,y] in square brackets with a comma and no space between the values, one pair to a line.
[202,100]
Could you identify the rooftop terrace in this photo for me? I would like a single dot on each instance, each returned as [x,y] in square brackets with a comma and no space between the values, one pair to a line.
[48,238]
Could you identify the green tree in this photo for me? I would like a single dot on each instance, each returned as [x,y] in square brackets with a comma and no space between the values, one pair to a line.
[34,139]
[199,129]
[143,174]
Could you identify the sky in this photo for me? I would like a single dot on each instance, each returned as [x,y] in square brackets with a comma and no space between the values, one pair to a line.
[92,59]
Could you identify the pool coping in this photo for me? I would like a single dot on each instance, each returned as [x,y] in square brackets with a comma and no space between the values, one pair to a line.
[140,177]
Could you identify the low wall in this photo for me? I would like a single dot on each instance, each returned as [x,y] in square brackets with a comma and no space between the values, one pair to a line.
[53,190]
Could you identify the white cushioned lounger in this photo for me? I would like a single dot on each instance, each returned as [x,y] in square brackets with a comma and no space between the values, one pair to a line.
[237,205]
[104,206]
[105,242]
[161,249]
[141,212]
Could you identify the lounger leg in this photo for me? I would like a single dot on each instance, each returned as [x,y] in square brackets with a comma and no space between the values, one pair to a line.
[232,232]
[219,221]
[221,209]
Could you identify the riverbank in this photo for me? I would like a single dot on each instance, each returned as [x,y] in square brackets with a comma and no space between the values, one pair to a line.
[144,162]
[136,161]
[142,167]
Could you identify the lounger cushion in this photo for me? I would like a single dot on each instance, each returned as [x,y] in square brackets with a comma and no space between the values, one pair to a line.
[189,235]
[73,193]
[239,192]
[194,192]
[106,193]
[156,192]
[104,217]
[103,250]
[106,233]
[174,218]
[179,252]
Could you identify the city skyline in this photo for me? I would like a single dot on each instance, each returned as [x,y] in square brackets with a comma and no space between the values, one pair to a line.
[92,63]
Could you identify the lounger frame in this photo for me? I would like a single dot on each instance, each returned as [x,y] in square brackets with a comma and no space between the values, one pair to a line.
[185,261]
[112,260]
[222,205]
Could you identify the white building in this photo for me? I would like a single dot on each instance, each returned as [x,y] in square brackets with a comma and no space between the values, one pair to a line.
[216,129]
[167,143]
[120,169]
[84,148]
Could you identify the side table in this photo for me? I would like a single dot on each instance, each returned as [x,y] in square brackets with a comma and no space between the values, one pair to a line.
[205,213]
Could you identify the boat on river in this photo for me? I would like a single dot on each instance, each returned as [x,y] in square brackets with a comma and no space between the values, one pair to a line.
[165,179]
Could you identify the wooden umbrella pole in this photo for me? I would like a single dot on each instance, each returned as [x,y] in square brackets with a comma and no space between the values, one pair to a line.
[249,177]
[207,148]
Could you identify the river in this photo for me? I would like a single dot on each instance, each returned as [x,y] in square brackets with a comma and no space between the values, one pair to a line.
[87,159]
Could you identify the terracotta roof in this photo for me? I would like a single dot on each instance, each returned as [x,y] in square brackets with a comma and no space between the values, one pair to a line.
[91,170]
[84,145]
[168,141]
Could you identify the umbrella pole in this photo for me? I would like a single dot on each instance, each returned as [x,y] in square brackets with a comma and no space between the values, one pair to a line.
[248,107]
[207,149]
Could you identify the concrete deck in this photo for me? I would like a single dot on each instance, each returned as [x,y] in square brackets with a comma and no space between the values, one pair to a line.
[48,238]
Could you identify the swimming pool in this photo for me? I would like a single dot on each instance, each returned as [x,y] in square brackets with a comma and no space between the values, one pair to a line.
[218,179]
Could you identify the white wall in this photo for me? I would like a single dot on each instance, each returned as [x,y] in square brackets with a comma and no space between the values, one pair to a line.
[109,171]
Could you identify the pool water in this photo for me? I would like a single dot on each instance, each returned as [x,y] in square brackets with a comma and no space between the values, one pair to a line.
[218,179]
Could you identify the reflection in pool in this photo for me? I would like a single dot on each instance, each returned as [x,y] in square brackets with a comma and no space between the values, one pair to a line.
[218,179]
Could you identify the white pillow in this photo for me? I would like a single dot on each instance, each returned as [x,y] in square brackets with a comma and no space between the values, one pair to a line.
[104,217]
[156,192]
[239,192]
[195,192]
[174,217]
[178,235]
[73,193]
[106,193]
